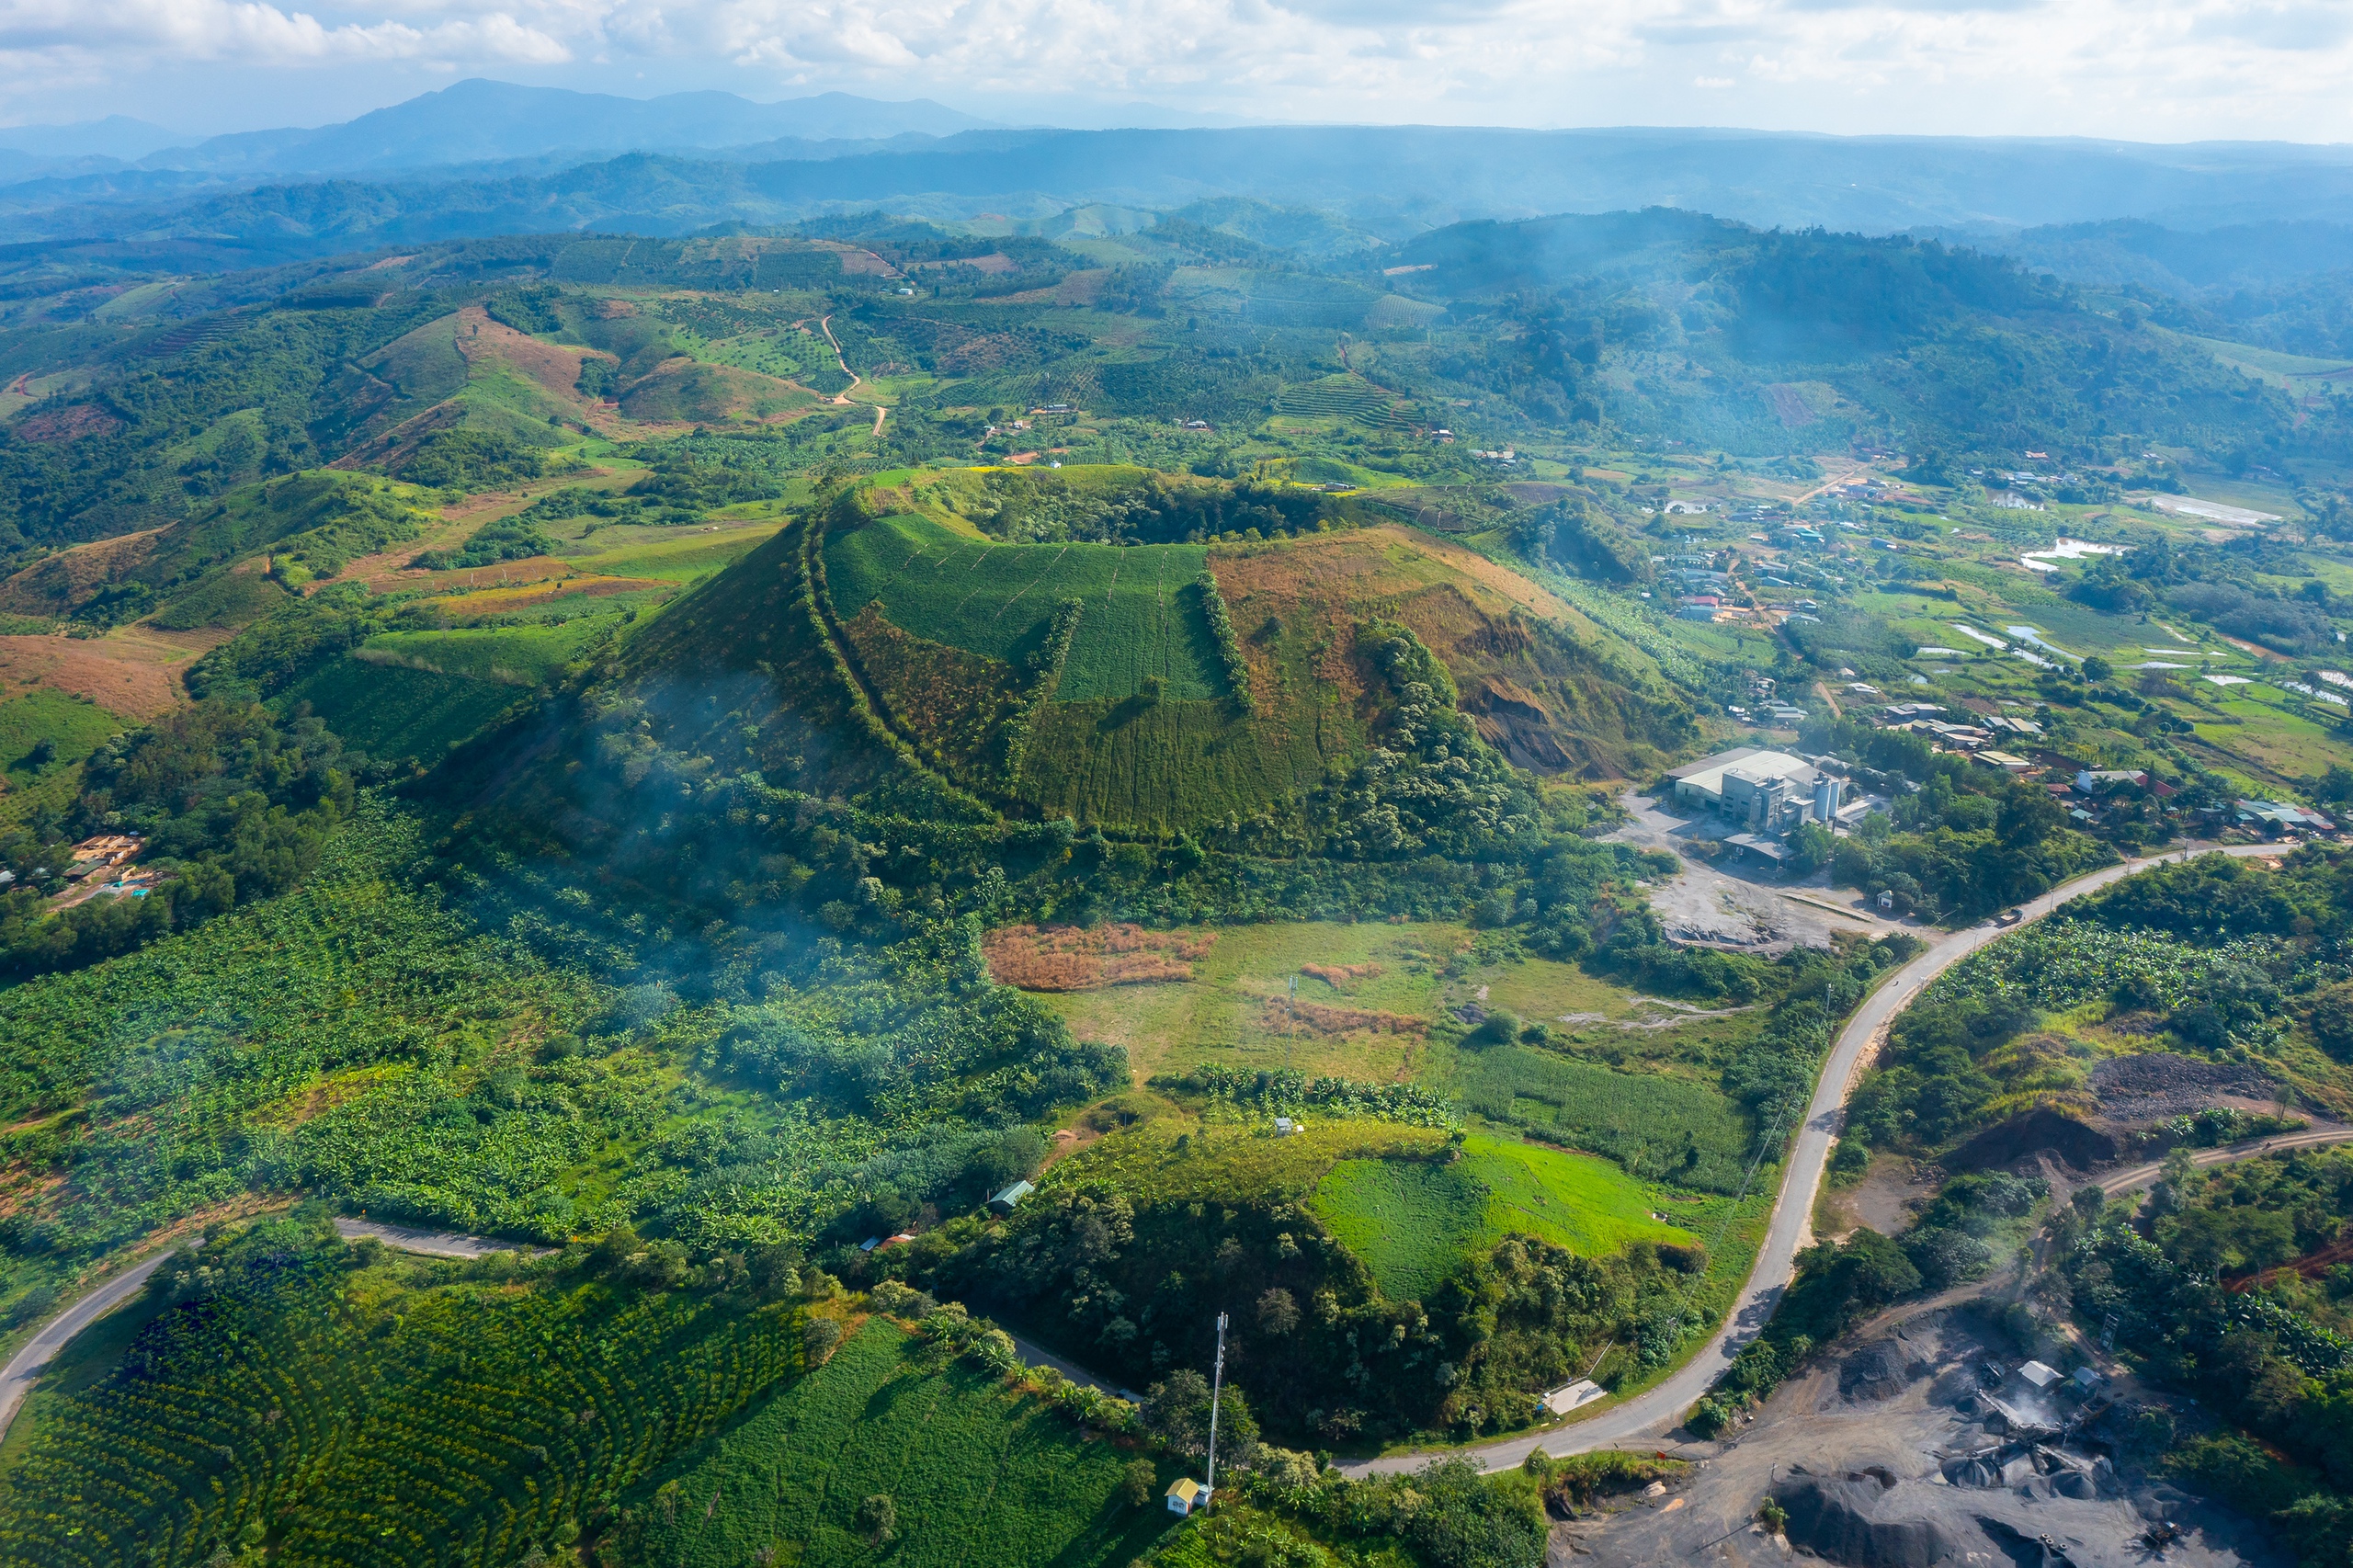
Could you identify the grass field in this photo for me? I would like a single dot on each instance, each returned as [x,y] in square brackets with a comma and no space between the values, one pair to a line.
[1420,970]
[1659,1127]
[512,656]
[1142,616]
[72,730]
[390,713]
[1413,1221]
[1246,1164]
[977,1474]
[2266,364]
[678,560]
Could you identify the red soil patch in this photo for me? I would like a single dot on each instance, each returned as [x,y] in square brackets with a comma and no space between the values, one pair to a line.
[1282,1013]
[556,369]
[131,678]
[1072,957]
[58,583]
[69,424]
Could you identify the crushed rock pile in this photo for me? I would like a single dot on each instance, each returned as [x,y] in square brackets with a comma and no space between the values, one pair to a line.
[1878,1370]
[1840,1519]
[2160,1083]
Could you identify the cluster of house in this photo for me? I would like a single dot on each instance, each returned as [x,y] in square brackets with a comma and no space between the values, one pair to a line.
[2272,819]
[1985,739]
[1764,706]
[100,867]
[2090,792]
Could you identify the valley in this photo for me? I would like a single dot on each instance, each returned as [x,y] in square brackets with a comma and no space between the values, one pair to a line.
[842,794]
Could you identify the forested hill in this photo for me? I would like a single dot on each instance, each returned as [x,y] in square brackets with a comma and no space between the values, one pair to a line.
[1398,179]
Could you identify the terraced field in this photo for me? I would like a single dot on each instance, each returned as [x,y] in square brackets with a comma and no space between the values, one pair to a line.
[1141,617]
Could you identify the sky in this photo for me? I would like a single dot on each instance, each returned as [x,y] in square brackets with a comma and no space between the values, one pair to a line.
[2137,70]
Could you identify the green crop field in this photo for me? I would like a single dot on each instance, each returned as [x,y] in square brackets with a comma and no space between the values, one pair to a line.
[978,1475]
[1658,1126]
[380,1418]
[1173,765]
[511,655]
[71,729]
[390,711]
[1141,615]
[1413,1221]
[683,559]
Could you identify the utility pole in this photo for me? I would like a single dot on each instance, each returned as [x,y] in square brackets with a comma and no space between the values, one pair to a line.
[1291,1035]
[1217,1386]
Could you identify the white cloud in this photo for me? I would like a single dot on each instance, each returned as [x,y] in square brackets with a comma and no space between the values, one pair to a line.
[2157,68]
[253,32]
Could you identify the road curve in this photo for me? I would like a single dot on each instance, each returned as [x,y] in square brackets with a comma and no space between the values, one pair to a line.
[432,1244]
[1656,1410]
[1649,1413]
[23,1368]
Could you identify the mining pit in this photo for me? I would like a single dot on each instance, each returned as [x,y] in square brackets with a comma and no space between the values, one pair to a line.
[1927,1444]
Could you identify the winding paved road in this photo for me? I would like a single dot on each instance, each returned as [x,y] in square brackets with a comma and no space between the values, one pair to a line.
[1646,1415]
[23,1368]
[1655,1411]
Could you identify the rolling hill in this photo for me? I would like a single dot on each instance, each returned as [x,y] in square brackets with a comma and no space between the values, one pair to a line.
[1091,680]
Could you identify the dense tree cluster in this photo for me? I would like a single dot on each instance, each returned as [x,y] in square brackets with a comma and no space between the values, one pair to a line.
[234,803]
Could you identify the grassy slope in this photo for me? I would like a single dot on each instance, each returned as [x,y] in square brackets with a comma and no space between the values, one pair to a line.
[72,730]
[390,711]
[1413,1223]
[514,655]
[979,1474]
[681,560]
[995,599]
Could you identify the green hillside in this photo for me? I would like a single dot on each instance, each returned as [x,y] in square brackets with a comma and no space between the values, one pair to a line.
[975,1473]
[1140,614]
[399,713]
[43,732]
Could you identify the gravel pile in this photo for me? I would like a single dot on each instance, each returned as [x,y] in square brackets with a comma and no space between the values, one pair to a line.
[1838,1519]
[2161,1083]
[1878,1370]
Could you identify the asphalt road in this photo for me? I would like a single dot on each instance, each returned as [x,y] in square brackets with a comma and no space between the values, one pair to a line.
[1655,1412]
[433,1243]
[1648,1414]
[23,1368]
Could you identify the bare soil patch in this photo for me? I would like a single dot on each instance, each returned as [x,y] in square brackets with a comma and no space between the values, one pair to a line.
[69,424]
[1072,957]
[136,673]
[57,583]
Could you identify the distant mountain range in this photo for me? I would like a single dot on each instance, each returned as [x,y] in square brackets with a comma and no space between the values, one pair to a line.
[475,122]
[118,197]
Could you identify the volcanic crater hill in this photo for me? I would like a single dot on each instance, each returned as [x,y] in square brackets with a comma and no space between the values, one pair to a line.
[1090,680]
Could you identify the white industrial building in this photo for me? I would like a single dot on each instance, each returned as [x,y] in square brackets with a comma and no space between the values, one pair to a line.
[1764,791]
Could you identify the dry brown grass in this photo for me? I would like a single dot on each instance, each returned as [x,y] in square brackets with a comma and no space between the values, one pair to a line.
[1281,1013]
[1072,957]
[1334,973]
[135,672]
